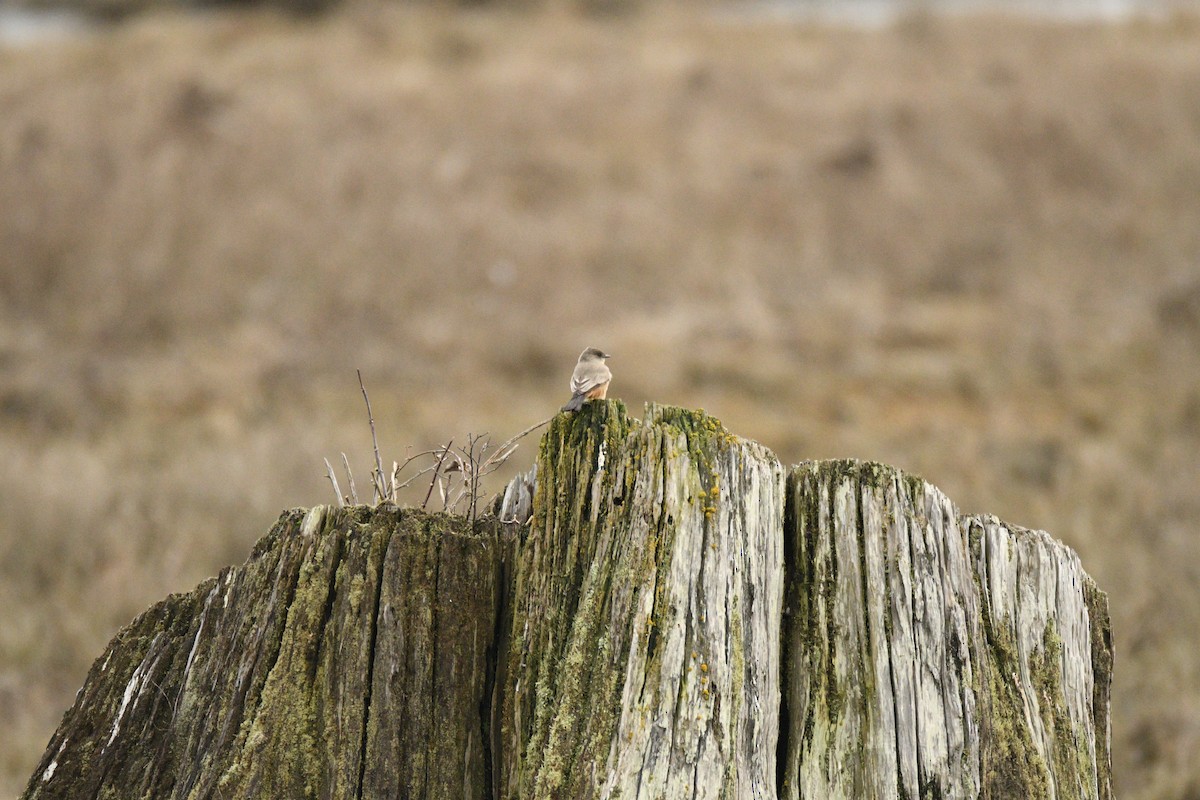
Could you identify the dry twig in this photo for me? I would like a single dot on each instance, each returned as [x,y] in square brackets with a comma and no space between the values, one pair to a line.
[350,476]
[377,478]
[457,473]
[500,459]
[333,479]
[436,470]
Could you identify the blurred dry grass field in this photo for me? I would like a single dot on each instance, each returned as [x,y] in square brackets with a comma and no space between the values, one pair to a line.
[970,248]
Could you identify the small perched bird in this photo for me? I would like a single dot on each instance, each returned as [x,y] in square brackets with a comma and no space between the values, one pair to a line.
[590,379]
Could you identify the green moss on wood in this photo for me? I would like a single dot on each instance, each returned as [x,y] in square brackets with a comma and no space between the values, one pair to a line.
[364,651]
[258,683]
[598,543]
[1010,765]
[1074,777]
[1102,664]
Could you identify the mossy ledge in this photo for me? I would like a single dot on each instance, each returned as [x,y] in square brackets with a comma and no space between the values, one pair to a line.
[931,654]
[680,617]
[646,608]
[351,656]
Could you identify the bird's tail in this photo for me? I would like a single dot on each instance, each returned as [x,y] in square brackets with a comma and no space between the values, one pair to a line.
[575,403]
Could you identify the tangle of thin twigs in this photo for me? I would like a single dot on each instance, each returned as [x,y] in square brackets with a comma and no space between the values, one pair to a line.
[457,473]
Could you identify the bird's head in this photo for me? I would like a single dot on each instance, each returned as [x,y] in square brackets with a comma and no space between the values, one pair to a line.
[594,354]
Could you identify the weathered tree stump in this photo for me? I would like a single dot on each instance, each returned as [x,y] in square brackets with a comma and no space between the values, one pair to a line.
[351,656]
[929,654]
[672,616]
[646,608]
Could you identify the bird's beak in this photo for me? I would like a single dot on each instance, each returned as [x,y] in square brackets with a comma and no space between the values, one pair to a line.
[606,355]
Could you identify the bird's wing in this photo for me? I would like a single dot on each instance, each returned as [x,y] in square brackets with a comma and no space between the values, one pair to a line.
[582,384]
[583,381]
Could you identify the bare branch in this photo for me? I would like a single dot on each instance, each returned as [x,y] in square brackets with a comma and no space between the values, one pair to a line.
[377,477]
[498,460]
[458,498]
[458,466]
[333,479]
[458,473]
[398,468]
[350,476]
[514,439]
[436,470]
[416,475]
[477,446]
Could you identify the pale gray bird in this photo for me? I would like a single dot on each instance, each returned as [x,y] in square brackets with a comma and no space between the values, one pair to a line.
[590,379]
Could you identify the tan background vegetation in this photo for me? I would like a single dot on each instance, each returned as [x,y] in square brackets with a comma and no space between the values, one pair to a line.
[966,247]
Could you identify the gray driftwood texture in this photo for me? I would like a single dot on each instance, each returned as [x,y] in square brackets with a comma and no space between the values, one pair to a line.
[659,611]
[929,654]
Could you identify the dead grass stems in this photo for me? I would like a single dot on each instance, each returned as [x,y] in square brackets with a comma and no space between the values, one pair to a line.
[457,473]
